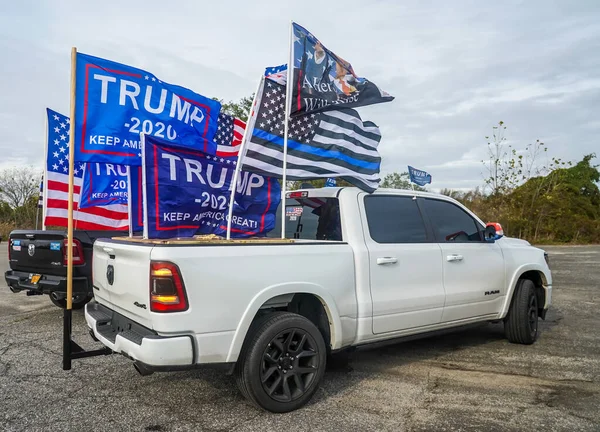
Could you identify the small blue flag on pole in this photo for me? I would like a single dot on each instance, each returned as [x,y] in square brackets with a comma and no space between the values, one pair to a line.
[419,177]
[330,182]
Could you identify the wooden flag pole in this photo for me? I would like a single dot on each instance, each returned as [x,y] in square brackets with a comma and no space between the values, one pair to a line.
[288,109]
[67,315]
[247,133]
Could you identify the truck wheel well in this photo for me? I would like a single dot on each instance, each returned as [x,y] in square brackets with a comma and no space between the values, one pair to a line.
[308,305]
[538,280]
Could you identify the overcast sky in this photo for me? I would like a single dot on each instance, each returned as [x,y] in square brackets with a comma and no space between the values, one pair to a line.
[456,68]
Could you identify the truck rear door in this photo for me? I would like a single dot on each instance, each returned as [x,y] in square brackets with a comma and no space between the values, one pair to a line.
[405,265]
[39,252]
[121,274]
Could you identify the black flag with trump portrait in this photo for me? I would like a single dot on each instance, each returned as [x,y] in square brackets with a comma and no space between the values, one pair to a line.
[324,81]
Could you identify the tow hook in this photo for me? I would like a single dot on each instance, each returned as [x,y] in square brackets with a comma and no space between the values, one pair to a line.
[31,292]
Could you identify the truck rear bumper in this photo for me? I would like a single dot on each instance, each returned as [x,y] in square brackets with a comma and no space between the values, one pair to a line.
[136,342]
[20,281]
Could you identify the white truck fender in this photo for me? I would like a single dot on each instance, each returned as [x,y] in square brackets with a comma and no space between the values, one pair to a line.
[281,289]
[515,278]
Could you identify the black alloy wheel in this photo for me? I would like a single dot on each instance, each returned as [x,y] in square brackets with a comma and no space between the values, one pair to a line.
[521,322]
[532,313]
[282,362]
[289,365]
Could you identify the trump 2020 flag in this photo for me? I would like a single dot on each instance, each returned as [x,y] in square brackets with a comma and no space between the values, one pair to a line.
[330,182]
[115,103]
[103,184]
[186,192]
[320,145]
[324,81]
[419,177]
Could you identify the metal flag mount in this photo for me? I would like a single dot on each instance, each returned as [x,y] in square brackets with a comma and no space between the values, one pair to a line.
[71,350]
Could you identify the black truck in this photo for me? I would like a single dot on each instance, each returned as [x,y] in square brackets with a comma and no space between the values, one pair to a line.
[38,264]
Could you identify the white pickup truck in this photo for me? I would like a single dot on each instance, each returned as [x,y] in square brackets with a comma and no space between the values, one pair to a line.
[357,269]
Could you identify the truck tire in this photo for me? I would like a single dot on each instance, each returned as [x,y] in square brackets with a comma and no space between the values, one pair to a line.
[521,322]
[78,302]
[281,363]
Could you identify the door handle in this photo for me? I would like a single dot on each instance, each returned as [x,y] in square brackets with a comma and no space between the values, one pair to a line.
[387,260]
[454,257]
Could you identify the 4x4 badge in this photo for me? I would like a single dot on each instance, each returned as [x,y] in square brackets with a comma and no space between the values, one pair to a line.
[31,249]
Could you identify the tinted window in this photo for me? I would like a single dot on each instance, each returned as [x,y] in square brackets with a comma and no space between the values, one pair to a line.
[394,219]
[311,219]
[451,223]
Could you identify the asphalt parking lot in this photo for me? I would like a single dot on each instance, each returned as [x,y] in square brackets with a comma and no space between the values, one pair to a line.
[470,380]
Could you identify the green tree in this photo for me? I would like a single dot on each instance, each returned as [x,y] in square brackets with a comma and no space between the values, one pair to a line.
[316,183]
[397,180]
[238,109]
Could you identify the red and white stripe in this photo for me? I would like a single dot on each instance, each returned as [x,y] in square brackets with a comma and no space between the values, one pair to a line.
[238,133]
[110,217]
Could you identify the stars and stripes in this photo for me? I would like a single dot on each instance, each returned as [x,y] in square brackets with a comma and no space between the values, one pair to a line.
[327,144]
[230,131]
[111,217]
[277,74]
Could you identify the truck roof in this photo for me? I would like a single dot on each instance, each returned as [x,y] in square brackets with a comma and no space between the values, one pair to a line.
[332,192]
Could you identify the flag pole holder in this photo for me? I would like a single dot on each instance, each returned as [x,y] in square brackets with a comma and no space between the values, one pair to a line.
[71,349]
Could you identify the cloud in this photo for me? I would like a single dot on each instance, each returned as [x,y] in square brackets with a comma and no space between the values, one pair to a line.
[456,68]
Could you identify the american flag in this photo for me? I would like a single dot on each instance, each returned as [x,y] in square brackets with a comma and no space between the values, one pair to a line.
[277,74]
[110,217]
[230,131]
[335,143]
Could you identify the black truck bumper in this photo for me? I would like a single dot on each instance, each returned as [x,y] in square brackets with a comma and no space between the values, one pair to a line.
[21,281]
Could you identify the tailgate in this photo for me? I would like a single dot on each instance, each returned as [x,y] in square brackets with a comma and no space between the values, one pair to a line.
[37,252]
[121,274]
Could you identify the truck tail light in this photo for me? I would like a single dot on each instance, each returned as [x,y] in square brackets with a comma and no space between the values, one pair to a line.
[9,243]
[78,258]
[167,293]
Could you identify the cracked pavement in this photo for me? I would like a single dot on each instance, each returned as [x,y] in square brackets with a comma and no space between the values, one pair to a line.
[469,380]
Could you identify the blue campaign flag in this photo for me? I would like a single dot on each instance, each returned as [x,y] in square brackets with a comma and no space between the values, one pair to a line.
[419,177]
[103,184]
[116,102]
[330,182]
[188,191]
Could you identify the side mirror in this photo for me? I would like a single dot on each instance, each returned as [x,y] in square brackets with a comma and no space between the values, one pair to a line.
[493,231]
